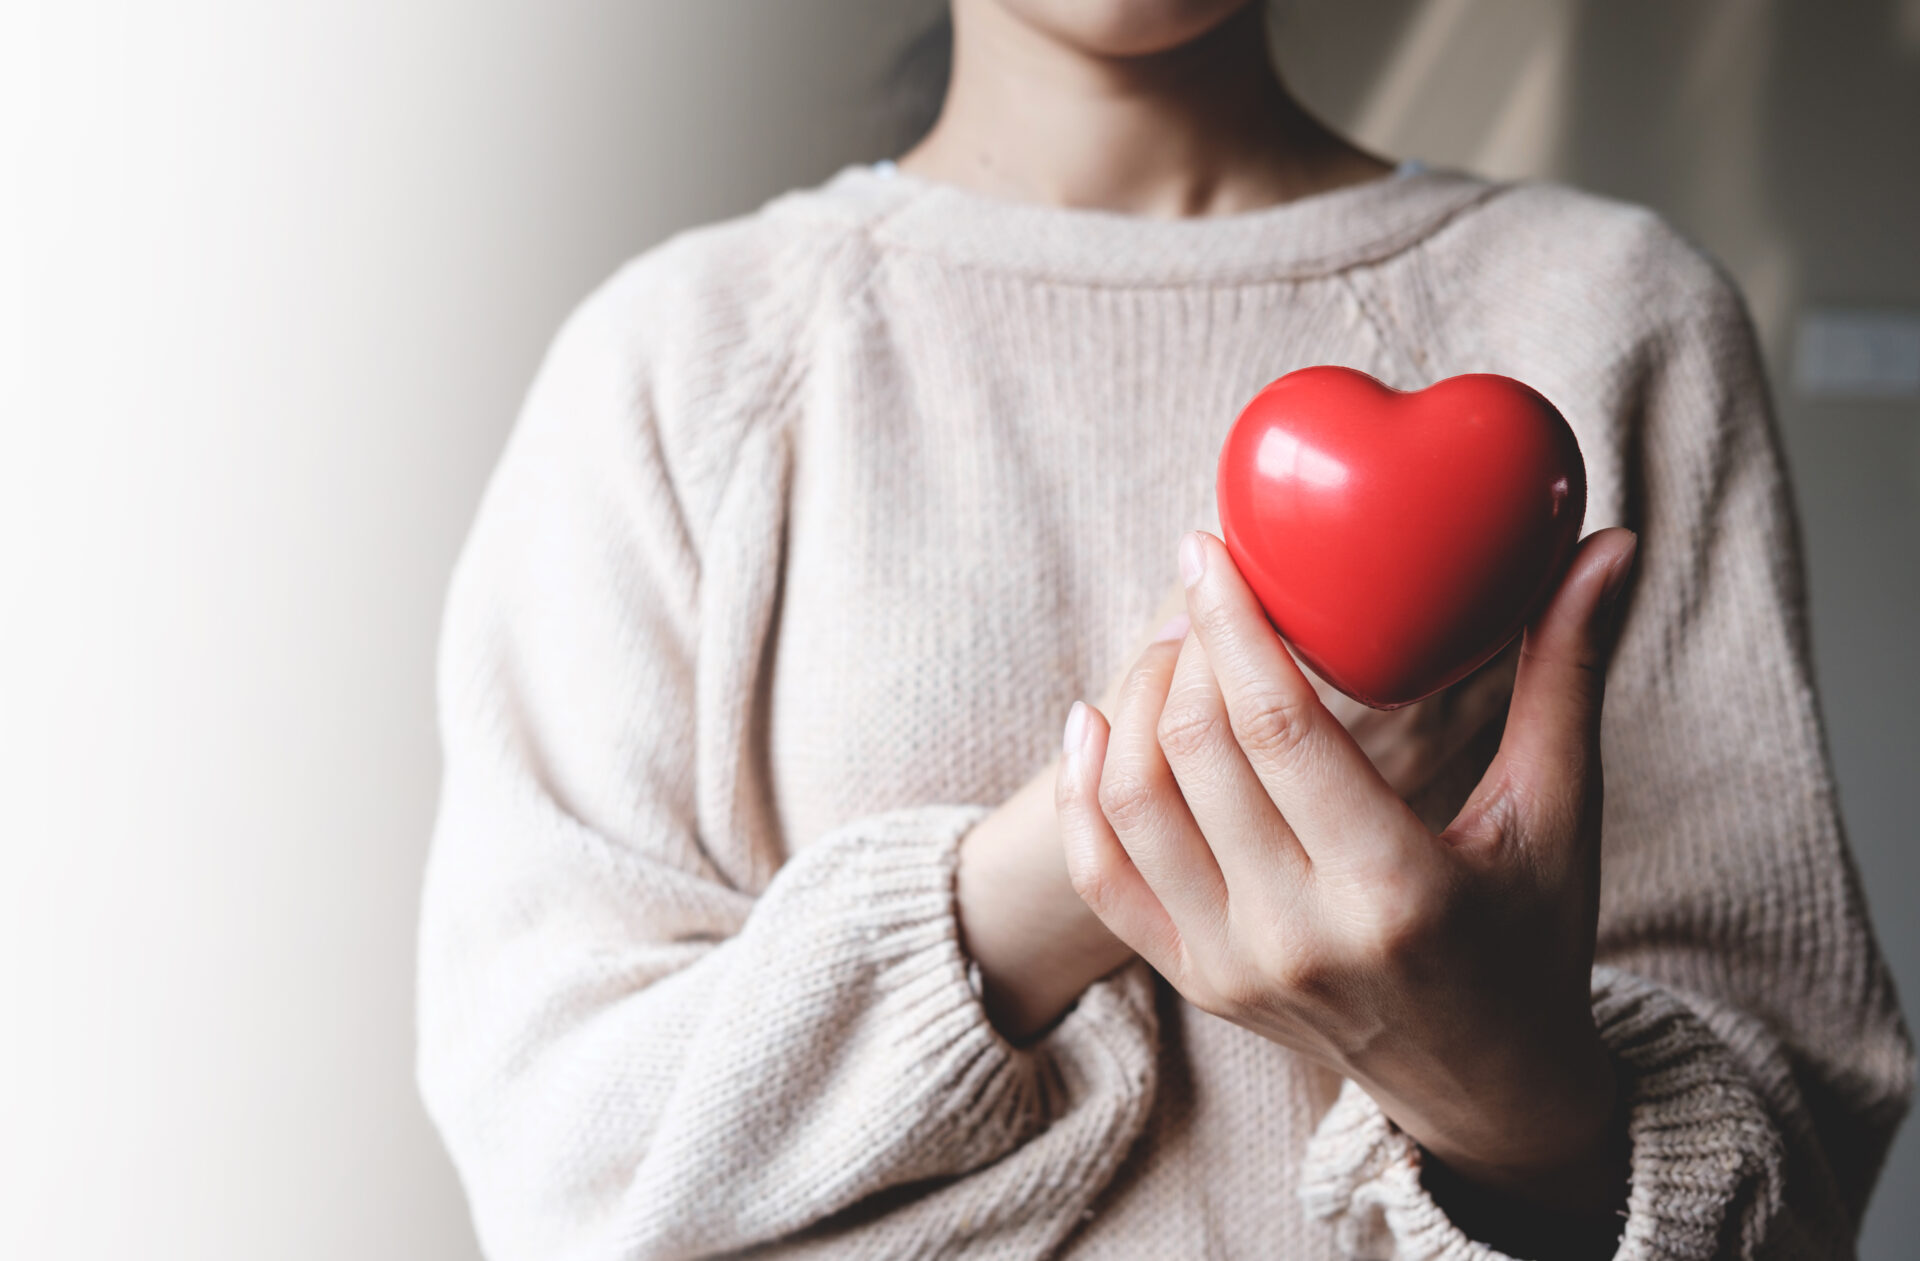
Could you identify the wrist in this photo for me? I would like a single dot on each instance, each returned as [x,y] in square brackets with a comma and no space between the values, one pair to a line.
[1556,1186]
[1524,1225]
[1556,1142]
[1034,942]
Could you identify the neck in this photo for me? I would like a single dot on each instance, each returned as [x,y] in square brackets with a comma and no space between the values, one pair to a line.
[1206,128]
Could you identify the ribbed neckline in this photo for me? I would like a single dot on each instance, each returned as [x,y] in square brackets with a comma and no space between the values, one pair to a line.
[1310,236]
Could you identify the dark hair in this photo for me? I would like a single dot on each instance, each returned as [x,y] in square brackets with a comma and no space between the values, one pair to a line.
[916,84]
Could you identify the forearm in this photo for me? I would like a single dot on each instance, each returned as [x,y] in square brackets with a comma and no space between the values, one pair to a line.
[836,1002]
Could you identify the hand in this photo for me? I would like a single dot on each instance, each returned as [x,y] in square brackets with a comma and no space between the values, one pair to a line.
[1037,943]
[1228,829]
[1409,745]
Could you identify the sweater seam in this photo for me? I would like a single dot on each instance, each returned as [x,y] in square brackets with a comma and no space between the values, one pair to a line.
[1324,268]
[782,381]
[1378,323]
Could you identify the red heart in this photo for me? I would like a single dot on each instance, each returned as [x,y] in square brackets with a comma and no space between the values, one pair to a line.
[1399,540]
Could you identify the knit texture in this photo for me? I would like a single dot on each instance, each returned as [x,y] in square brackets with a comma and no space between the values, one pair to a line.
[814,524]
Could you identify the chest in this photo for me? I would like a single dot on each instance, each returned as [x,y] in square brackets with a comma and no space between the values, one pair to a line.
[989,484]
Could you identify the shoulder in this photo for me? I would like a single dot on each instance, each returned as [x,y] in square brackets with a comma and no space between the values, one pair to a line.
[1548,243]
[723,298]
[690,345]
[1592,295]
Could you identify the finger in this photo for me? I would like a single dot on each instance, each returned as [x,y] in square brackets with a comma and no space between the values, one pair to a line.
[1102,874]
[1318,777]
[1551,748]
[1222,792]
[1171,609]
[1142,801]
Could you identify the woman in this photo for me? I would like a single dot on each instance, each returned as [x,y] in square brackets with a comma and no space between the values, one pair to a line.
[763,910]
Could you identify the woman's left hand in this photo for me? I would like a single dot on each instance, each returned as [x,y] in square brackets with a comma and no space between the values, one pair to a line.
[1228,829]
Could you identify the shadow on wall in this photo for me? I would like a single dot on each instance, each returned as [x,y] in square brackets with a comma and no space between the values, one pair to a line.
[1755,127]
[1778,135]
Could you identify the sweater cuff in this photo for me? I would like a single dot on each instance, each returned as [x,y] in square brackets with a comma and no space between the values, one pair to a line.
[968,1094]
[1706,1160]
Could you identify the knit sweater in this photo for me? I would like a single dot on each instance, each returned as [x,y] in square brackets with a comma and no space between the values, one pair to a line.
[812,527]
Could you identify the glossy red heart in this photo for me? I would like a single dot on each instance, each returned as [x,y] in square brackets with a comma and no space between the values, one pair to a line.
[1399,540]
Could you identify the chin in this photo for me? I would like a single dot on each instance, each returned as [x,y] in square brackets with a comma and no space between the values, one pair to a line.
[1125,28]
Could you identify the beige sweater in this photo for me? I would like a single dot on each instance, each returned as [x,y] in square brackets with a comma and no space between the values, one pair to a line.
[815,523]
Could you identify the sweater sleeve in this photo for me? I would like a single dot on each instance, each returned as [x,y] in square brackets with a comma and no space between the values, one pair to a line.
[1740,989]
[630,1048]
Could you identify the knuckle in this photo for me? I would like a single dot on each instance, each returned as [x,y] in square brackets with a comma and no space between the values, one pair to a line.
[1221,991]
[1303,974]
[1188,731]
[1127,797]
[1582,656]
[1404,922]
[1214,618]
[1137,679]
[1401,939]
[1579,671]
[1274,722]
[1545,800]
[1093,882]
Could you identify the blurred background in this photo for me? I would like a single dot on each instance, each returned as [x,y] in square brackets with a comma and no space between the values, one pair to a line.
[272,281]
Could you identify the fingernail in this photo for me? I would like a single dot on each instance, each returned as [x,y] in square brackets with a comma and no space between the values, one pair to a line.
[1193,560]
[1076,732]
[1176,628]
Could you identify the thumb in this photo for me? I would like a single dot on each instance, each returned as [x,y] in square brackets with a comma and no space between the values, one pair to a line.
[1551,746]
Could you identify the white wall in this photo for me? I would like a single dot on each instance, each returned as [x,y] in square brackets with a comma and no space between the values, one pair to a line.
[287,269]
[272,279]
